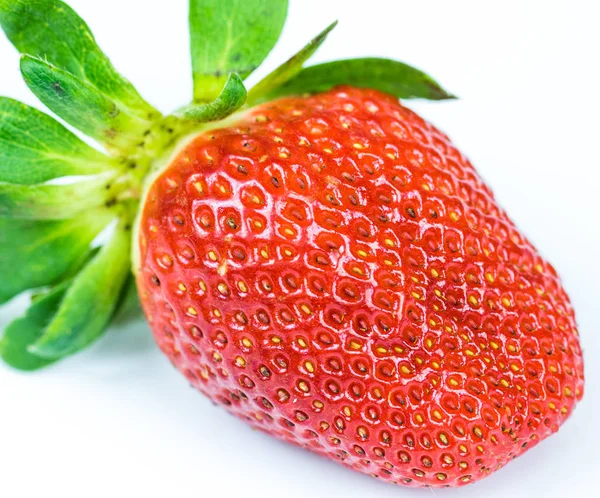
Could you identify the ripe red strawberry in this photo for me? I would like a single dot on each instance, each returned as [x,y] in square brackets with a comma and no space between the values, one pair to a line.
[328,267]
[332,270]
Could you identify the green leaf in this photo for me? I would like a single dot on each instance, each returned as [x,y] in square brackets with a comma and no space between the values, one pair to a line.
[231,98]
[129,306]
[288,69]
[52,202]
[35,148]
[38,253]
[26,330]
[91,300]
[82,105]
[395,78]
[52,31]
[231,36]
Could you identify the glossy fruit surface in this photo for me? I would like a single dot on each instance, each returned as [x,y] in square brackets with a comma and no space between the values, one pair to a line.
[334,271]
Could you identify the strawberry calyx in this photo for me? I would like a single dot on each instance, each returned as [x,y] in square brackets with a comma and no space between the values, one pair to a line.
[68,210]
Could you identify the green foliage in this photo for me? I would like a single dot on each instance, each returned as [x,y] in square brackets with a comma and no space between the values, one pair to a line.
[231,36]
[393,77]
[38,253]
[64,62]
[288,69]
[231,98]
[34,148]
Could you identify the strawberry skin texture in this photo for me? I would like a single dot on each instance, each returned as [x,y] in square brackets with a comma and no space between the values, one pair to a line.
[333,270]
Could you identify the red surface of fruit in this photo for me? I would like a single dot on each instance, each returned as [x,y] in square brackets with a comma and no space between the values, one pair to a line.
[332,270]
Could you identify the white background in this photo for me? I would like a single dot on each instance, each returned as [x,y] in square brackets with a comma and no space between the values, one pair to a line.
[119,421]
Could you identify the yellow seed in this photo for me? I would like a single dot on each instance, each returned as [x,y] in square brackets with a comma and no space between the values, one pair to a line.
[347,411]
[358,146]
[463,465]
[514,368]
[454,216]
[381,350]
[478,432]
[306,309]
[568,392]
[437,414]
[443,438]
[462,448]
[553,369]
[289,231]
[426,187]
[247,342]
[275,339]
[539,268]
[489,277]
[494,345]
[511,348]
[217,313]
[389,242]
[182,287]
[480,448]
[435,273]
[328,151]
[303,386]
[192,311]
[435,364]
[202,285]
[318,404]
[404,369]
[504,382]
[419,418]
[309,366]
[398,349]
[391,156]
[284,155]
[551,405]
[217,356]
[358,271]
[453,382]
[388,262]
[433,323]
[468,352]
[264,253]
[564,410]
[302,342]
[223,289]
[473,300]
[377,393]
[415,295]
[278,140]
[429,342]
[506,302]
[437,292]
[441,476]
[355,344]
[260,118]
[199,187]
[212,255]
[242,286]
[240,361]
[258,224]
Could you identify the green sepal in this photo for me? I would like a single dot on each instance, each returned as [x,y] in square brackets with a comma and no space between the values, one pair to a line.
[231,98]
[35,148]
[389,76]
[89,304]
[129,306]
[231,36]
[39,253]
[288,69]
[55,201]
[82,105]
[50,30]
[26,330]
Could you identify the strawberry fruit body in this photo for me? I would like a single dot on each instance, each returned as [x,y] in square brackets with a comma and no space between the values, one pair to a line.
[334,271]
[309,253]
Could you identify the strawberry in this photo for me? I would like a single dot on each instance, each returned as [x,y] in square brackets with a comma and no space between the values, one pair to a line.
[310,254]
